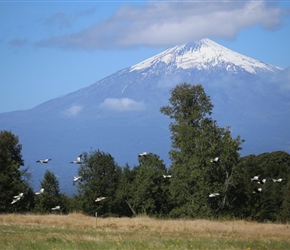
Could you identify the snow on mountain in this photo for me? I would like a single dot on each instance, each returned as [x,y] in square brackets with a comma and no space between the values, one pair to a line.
[120,113]
[204,55]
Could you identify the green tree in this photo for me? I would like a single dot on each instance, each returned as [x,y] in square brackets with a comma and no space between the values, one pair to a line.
[273,202]
[284,214]
[101,176]
[12,176]
[196,141]
[245,200]
[125,191]
[149,189]
[51,196]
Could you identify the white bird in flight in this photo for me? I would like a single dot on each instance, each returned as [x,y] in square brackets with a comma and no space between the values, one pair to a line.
[78,160]
[257,190]
[44,160]
[262,181]
[215,160]
[255,178]
[17,198]
[77,178]
[100,199]
[56,208]
[277,180]
[214,195]
[143,154]
[167,176]
[40,191]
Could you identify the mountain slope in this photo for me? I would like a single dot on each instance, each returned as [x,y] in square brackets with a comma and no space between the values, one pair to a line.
[120,113]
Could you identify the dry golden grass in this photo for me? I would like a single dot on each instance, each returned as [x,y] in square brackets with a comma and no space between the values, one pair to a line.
[192,228]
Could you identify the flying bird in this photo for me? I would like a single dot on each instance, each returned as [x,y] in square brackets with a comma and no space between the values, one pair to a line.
[44,161]
[17,198]
[277,180]
[262,181]
[143,154]
[215,160]
[100,199]
[214,195]
[56,208]
[167,176]
[78,160]
[257,190]
[255,178]
[40,191]
[77,178]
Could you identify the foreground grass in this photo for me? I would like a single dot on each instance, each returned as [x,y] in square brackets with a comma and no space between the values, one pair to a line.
[76,231]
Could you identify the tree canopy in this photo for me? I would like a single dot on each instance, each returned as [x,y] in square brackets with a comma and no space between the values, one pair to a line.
[11,175]
[196,142]
[51,196]
[100,178]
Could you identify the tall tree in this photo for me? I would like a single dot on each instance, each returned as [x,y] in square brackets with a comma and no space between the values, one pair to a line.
[11,175]
[203,155]
[51,197]
[101,176]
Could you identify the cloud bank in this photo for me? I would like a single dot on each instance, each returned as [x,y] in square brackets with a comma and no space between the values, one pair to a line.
[169,23]
[73,111]
[122,104]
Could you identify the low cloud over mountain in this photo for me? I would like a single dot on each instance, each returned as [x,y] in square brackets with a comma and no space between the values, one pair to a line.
[122,104]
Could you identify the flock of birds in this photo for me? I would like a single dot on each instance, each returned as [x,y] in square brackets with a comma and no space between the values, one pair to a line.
[260,181]
[214,160]
[18,197]
[78,160]
[256,178]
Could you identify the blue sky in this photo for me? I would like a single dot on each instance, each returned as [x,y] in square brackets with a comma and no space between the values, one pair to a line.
[51,48]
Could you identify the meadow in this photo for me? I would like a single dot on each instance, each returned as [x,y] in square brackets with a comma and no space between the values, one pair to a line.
[77,231]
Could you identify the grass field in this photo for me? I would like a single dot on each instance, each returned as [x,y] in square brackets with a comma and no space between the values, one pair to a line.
[76,231]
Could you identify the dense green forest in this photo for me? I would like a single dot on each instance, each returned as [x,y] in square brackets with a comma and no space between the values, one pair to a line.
[207,178]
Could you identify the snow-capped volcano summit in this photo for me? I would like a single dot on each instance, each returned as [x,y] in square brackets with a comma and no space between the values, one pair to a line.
[205,55]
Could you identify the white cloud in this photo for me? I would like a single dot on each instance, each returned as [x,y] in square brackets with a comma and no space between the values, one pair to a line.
[73,111]
[171,23]
[122,104]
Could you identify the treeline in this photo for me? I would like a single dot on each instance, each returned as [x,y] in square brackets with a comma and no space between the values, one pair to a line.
[207,178]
